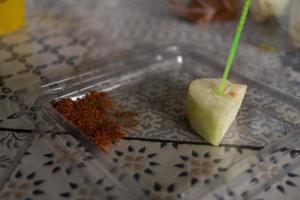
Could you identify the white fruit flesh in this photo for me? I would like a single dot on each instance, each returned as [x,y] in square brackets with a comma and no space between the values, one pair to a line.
[209,113]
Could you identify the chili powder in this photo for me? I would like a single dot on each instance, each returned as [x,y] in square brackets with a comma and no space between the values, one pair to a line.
[98,117]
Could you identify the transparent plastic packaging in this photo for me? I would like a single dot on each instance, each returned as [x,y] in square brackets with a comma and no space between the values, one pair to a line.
[155,84]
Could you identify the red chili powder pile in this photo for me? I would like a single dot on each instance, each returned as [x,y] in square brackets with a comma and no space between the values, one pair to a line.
[98,117]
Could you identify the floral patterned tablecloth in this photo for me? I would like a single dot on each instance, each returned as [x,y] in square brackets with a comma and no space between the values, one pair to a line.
[54,44]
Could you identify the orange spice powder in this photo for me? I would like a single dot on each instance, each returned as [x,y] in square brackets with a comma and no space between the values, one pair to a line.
[98,117]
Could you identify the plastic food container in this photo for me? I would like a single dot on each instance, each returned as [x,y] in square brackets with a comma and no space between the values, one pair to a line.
[175,161]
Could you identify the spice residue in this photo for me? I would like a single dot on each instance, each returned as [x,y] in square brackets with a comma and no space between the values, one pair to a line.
[98,117]
[203,11]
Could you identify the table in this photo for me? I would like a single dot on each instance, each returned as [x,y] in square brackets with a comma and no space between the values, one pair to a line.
[54,44]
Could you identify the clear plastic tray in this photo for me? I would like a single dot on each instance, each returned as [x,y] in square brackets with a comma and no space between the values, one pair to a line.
[154,85]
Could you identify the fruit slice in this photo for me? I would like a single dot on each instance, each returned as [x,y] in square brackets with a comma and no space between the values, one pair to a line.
[209,113]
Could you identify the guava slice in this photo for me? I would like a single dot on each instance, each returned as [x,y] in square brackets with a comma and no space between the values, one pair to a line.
[209,113]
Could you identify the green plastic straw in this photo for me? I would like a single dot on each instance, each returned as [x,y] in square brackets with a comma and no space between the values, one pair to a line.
[234,45]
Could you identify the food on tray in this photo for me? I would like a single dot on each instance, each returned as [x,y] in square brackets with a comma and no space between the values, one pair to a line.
[202,11]
[262,10]
[210,114]
[98,117]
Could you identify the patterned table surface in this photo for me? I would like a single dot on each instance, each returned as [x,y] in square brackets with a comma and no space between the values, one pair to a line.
[54,44]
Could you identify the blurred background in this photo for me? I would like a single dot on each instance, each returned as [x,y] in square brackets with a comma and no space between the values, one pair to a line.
[269,49]
[106,31]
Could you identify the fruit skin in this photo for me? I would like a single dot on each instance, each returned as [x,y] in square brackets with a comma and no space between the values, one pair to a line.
[209,113]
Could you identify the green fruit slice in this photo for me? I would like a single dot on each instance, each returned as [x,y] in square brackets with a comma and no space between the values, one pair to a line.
[209,113]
